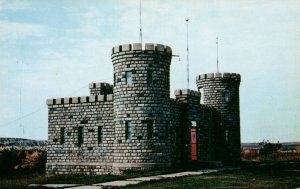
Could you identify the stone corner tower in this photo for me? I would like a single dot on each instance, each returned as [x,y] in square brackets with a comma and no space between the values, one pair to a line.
[221,91]
[141,106]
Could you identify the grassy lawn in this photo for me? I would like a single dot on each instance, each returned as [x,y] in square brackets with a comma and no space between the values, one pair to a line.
[278,175]
[21,181]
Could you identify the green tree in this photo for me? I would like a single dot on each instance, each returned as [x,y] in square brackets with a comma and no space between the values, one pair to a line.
[269,150]
[8,160]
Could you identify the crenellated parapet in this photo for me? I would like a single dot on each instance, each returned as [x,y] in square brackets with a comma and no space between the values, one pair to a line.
[139,47]
[216,76]
[100,85]
[101,88]
[188,96]
[186,92]
[82,99]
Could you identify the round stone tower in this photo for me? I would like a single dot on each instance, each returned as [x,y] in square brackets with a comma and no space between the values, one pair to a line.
[221,91]
[141,106]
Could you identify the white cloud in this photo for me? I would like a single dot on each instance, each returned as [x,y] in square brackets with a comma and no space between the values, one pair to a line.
[13,5]
[91,21]
[14,30]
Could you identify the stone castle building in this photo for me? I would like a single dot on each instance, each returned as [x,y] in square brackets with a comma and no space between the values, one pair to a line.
[135,125]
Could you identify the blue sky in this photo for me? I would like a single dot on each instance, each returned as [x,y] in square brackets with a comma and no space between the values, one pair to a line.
[51,49]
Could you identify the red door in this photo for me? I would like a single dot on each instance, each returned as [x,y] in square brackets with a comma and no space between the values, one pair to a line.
[194,144]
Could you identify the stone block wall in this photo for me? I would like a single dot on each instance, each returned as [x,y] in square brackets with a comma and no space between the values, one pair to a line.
[204,119]
[221,91]
[66,117]
[176,132]
[141,102]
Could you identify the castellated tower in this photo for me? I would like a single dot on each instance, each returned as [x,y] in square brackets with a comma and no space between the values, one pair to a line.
[135,125]
[141,106]
[221,91]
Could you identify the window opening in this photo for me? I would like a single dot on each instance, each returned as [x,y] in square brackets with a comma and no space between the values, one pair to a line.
[62,135]
[80,135]
[149,129]
[100,135]
[149,76]
[226,96]
[128,130]
[226,135]
[129,78]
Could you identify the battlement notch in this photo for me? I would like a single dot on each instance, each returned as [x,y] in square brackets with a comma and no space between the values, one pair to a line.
[139,47]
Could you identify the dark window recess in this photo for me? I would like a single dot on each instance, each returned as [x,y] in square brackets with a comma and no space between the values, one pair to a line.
[149,76]
[128,65]
[90,148]
[167,79]
[226,135]
[119,80]
[91,130]
[80,135]
[167,128]
[70,116]
[128,130]
[128,115]
[100,134]
[84,121]
[62,135]
[98,118]
[141,95]
[150,65]
[52,109]
[115,79]
[149,129]
[69,133]
[154,81]
[55,140]
[139,137]
[119,141]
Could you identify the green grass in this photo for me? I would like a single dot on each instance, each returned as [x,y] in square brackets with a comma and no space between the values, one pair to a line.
[22,181]
[278,175]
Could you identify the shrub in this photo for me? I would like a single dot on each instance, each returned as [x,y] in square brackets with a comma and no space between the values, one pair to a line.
[22,161]
[8,160]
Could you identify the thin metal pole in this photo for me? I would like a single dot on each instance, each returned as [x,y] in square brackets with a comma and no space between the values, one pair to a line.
[217,55]
[141,38]
[21,83]
[187,53]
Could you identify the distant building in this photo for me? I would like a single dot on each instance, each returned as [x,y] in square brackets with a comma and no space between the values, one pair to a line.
[135,125]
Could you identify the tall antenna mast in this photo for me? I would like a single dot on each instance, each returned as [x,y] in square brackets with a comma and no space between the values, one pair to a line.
[187,53]
[217,42]
[141,36]
[22,126]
